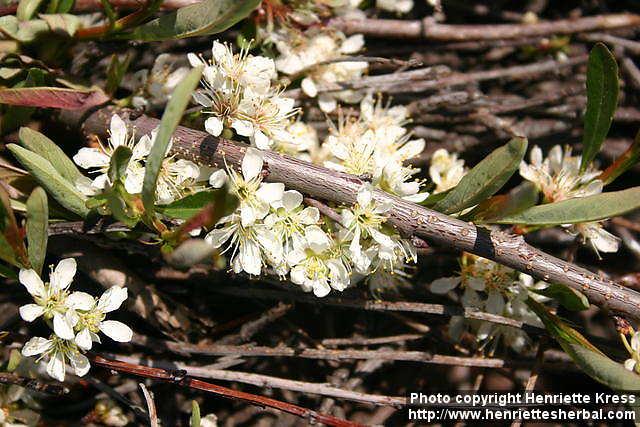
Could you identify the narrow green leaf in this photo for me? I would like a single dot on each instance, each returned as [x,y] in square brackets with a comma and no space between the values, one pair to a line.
[570,298]
[116,72]
[37,228]
[170,120]
[204,18]
[7,272]
[435,198]
[26,31]
[190,205]
[50,179]
[62,23]
[582,209]
[49,150]
[194,420]
[602,100]
[119,162]
[591,360]
[27,8]
[486,178]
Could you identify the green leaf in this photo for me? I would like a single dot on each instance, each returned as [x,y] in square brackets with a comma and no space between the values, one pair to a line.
[623,163]
[37,228]
[190,205]
[435,198]
[591,360]
[199,19]
[24,32]
[582,209]
[49,150]
[518,199]
[602,100]
[27,8]
[119,162]
[50,179]
[170,120]
[7,272]
[486,178]
[194,420]
[570,298]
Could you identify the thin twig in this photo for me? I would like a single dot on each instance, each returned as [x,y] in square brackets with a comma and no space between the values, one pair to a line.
[153,415]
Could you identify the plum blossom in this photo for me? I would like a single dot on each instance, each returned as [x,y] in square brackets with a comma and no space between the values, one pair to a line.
[446,170]
[633,363]
[289,218]
[396,6]
[316,264]
[51,299]
[155,86]
[59,352]
[90,317]
[558,177]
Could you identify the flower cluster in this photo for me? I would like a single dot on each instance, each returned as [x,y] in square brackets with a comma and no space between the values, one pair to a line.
[76,318]
[316,54]
[558,177]
[376,144]
[238,94]
[492,288]
[177,178]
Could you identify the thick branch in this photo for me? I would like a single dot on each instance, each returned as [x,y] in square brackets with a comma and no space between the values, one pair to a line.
[410,219]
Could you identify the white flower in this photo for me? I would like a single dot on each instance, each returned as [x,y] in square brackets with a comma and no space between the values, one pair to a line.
[446,170]
[254,196]
[252,246]
[632,363]
[157,85]
[97,159]
[50,298]
[289,218]
[558,177]
[311,52]
[396,6]
[373,244]
[59,352]
[316,265]
[90,316]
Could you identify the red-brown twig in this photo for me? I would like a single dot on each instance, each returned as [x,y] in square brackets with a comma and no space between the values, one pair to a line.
[179,377]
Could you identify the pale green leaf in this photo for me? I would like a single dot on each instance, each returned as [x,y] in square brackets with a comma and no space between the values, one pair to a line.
[569,298]
[49,150]
[37,228]
[27,8]
[50,179]
[190,205]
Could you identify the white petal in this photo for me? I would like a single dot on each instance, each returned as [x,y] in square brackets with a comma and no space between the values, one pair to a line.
[261,140]
[309,215]
[321,288]
[630,364]
[56,368]
[194,60]
[214,126]
[217,237]
[35,346]
[317,239]
[251,164]
[30,312]
[495,303]
[118,131]
[117,331]
[112,299]
[444,284]
[270,192]
[202,99]
[353,44]
[242,127]
[326,103]
[88,158]
[83,339]
[62,275]
[62,327]
[635,341]
[308,86]
[31,281]
[80,301]
[80,363]
[218,178]
[250,259]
